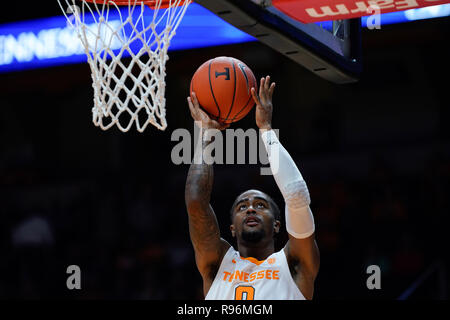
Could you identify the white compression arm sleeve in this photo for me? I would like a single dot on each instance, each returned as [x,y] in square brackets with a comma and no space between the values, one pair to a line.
[299,218]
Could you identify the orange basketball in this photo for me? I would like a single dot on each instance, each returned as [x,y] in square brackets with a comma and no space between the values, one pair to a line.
[222,86]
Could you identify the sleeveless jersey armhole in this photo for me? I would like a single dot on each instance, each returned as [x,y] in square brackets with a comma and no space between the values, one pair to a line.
[230,252]
[286,264]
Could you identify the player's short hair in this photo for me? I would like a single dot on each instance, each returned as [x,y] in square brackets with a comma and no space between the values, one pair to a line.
[273,205]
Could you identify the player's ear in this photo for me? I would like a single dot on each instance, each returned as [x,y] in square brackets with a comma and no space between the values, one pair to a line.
[233,233]
[276,226]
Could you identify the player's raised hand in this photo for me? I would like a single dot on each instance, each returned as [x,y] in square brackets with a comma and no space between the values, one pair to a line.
[201,116]
[264,103]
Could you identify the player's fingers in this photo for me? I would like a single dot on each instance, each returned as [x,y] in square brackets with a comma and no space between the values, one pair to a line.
[266,83]
[255,96]
[261,87]
[263,91]
[192,108]
[202,114]
[195,101]
[271,90]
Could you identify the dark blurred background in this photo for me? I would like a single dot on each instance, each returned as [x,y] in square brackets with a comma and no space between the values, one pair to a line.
[375,155]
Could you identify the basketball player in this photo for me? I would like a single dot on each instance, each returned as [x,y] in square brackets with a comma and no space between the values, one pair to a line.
[254,270]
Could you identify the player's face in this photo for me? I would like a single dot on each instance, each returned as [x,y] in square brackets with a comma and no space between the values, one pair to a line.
[252,217]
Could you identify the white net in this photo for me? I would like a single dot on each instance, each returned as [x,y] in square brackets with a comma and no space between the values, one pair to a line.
[126,47]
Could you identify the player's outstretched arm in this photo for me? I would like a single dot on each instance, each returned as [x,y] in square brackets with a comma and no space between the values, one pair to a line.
[301,249]
[204,230]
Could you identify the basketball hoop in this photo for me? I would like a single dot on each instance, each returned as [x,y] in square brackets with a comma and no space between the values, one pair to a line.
[127,90]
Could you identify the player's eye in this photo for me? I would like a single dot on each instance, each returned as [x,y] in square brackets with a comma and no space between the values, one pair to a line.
[242,207]
[260,205]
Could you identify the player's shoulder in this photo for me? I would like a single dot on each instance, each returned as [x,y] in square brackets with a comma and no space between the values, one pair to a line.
[228,251]
[280,255]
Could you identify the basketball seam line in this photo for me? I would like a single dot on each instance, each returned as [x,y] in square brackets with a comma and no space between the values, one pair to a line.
[234,91]
[212,91]
[242,108]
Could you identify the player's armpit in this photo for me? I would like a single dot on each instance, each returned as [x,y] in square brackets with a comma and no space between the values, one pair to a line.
[304,261]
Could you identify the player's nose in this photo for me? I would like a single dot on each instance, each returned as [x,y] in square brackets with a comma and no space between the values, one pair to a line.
[250,210]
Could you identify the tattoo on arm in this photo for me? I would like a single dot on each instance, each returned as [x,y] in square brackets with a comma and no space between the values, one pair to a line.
[203,226]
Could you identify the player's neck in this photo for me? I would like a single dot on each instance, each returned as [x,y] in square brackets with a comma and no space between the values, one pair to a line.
[260,252]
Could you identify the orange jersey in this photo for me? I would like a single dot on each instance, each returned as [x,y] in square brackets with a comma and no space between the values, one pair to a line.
[249,279]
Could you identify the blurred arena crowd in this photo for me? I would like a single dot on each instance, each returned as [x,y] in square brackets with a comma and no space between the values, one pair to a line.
[130,237]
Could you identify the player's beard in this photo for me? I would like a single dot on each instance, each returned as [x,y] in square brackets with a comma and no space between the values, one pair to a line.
[253,236]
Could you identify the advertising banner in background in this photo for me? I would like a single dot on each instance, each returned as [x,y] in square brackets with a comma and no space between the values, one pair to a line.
[308,11]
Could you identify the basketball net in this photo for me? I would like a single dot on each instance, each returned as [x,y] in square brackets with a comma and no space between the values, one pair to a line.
[127,90]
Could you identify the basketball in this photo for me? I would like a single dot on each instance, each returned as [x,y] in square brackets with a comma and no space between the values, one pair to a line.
[222,86]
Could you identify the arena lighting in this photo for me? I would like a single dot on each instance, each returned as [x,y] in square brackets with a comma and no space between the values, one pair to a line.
[49,42]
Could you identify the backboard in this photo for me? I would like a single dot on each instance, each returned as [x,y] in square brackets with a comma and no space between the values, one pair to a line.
[330,49]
